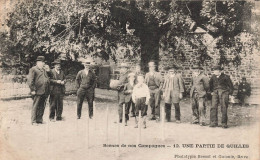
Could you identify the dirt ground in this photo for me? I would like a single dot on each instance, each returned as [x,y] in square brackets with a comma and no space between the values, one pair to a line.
[67,140]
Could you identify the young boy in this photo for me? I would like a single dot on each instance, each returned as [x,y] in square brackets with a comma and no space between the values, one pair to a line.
[141,97]
[128,89]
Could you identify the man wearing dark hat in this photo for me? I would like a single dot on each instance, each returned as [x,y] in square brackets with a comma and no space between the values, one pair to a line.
[85,85]
[173,90]
[221,87]
[123,80]
[57,91]
[244,90]
[39,84]
[154,81]
[199,89]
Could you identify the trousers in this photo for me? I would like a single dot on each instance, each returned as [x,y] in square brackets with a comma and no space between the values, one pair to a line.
[167,109]
[155,104]
[56,106]
[219,97]
[81,95]
[198,108]
[39,102]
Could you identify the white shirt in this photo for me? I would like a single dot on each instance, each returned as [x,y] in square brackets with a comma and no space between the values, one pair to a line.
[86,71]
[57,71]
[141,90]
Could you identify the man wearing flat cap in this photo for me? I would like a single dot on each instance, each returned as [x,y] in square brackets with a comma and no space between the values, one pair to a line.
[123,80]
[221,87]
[173,88]
[199,89]
[154,81]
[57,91]
[85,85]
[39,84]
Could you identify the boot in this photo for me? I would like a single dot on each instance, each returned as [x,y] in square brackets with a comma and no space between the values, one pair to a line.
[136,122]
[144,121]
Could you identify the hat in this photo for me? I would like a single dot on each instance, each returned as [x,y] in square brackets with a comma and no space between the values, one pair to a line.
[86,62]
[40,58]
[151,64]
[123,65]
[197,67]
[171,68]
[57,61]
[131,75]
[217,67]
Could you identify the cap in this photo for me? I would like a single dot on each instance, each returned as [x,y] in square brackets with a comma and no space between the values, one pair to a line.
[57,61]
[123,65]
[40,58]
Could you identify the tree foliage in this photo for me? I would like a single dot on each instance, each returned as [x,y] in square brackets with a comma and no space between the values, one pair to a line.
[73,29]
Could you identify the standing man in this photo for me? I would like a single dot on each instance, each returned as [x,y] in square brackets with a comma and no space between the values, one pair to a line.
[154,81]
[173,92]
[39,84]
[123,80]
[85,84]
[57,91]
[221,87]
[198,92]
[244,90]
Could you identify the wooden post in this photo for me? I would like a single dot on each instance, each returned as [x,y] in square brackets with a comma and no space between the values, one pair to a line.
[107,125]
[139,128]
[94,114]
[87,129]
[118,137]
[124,120]
[162,122]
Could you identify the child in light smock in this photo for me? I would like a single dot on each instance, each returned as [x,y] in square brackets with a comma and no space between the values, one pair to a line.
[140,97]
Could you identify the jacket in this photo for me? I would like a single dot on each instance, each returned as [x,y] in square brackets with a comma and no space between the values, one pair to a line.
[172,87]
[157,83]
[38,81]
[86,82]
[56,88]
[128,90]
[223,82]
[200,84]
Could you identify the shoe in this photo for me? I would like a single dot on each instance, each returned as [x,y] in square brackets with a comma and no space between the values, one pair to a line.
[34,124]
[78,117]
[52,120]
[203,124]
[224,126]
[59,119]
[144,126]
[213,125]
[90,117]
[195,122]
[153,118]
[178,121]
[132,115]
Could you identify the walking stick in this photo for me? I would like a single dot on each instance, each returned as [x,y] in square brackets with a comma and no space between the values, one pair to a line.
[107,125]
[47,122]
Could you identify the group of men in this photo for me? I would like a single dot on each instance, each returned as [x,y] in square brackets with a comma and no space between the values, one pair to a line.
[171,90]
[45,83]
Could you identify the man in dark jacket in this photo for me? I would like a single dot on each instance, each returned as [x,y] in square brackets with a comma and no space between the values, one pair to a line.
[199,89]
[244,90]
[85,84]
[57,91]
[123,80]
[221,87]
[154,81]
[39,84]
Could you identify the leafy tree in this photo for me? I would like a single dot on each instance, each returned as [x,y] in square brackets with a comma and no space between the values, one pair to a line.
[78,28]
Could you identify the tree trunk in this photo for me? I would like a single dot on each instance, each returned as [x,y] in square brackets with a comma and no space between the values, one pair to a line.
[149,50]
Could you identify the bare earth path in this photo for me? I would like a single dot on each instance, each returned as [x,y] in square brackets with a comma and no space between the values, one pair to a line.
[66,140]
